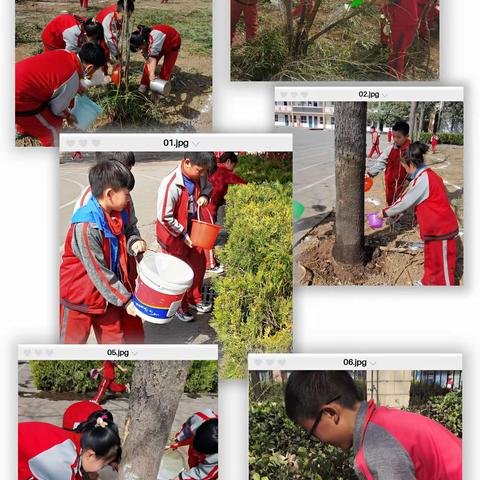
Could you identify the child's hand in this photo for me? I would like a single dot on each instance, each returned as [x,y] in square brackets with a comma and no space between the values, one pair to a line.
[188,241]
[139,246]
[130,308]
[71,119]
[202,201]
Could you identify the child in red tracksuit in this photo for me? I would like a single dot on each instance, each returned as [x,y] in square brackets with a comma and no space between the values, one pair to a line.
[403,19]
[388,443]
[71,32]
[45,86]
[108,381]
[200,433]
[95,291]
[434,140]
[111,19]
[249,8]
[79,412]
[155,43]
[375,143]
[180,195]
[436,218]
[389,135]
[389,160]
[220,179]
[49,452]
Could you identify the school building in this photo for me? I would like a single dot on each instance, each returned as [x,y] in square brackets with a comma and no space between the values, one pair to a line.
[317,115]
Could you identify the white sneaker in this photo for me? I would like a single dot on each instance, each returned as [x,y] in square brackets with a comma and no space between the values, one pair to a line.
[127,388]
[216,270]
[184,316]
[202,307]
[142,89]
[418,283]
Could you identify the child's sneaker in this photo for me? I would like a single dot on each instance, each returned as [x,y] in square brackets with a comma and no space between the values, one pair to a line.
[418,283]
[216,270]
[184,316]
[127,388]
[202,307]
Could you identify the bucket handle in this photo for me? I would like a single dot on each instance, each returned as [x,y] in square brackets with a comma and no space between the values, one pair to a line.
[209,214]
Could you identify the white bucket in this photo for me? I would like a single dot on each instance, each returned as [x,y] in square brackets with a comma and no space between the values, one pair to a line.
[86,112]
[161,284]
[163,87]
[172,464]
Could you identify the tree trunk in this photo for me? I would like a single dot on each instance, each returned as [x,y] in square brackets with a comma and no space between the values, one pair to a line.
[412,119]
[350,148]
[156,389]
[255,386]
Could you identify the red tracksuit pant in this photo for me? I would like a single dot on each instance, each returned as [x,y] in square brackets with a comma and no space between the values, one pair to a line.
[84,3]
[439,262]
[195,258]
[113,326]
[375,149]
[44,126]
[250,15]
[107,384]
[170,51]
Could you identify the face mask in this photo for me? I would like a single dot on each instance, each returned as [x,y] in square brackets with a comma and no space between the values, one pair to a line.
[98,78]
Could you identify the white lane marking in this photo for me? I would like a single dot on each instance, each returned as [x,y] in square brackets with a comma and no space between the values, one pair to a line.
[307,187]
[81,186]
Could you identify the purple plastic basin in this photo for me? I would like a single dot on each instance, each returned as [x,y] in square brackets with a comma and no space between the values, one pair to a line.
[374,220]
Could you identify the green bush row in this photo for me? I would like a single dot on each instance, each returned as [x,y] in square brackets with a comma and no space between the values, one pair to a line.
[255,169]
[445,138]
[74,376]
[253,308]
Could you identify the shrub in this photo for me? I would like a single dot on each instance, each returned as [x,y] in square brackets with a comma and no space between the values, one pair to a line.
[71,376]
[253,307]
[421,392]
[203,377]
[266,391]
[445,138]
[256,169]
[446,410]
[280,450]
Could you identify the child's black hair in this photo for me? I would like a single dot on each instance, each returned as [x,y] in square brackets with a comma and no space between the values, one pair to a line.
[93,29]
[206,437]
[306,391]
[110,174]
[401,127]
[232,156]
[130,5]
[200,159]
[103,440]
[139,37]
[127,158]
[415,153]
[93,53]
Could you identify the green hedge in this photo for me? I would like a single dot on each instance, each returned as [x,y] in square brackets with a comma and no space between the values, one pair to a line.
[445,138]
[203,377]
[253,307]
[279,450]
[71,376]
[74,376]
[256,169]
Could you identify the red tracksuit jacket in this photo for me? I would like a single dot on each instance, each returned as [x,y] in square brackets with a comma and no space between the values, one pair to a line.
[427,194]
[111,28]
[202,467]
[220,180]
[64,32]
[395,174]
[47,452]
[391,444]
[162,38]
[50,79]
[172,208]
[79,412]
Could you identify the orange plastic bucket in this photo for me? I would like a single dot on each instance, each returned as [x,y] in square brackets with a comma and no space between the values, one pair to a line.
[116,75]
[204,234]
[368,184]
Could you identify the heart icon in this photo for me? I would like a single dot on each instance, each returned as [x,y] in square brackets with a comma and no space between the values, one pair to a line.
[304,94]
[49,352]
[38,352]
[258,361]
[294,94]
[70,143]
[27,352]
[283,94]
[96,142]
[270,361]
[83,143]
[281,361]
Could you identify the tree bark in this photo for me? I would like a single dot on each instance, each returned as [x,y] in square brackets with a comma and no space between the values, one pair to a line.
[412,119]
[350,153]
[156,389]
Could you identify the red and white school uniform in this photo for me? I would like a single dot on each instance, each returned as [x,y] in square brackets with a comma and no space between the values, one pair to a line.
[375,144]
[437,221]
[164,41]
[173,207]
[111,30]
[108,382]
[249,8]
[202,467]
[64,32]
[45,86]
[47,452]
[389,136]
[389,443]
[78,413]
[403,16]
[395,174]
[434,141]
[84,3]
[220,180]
